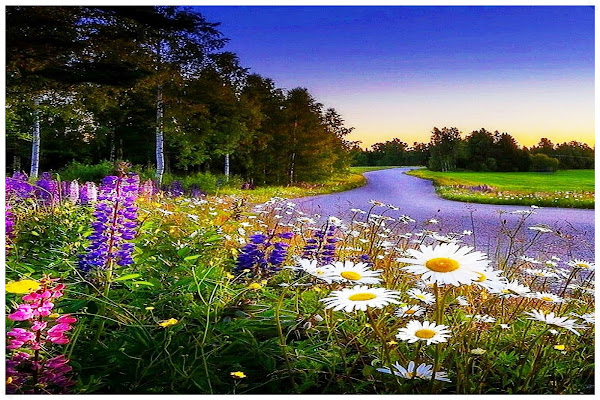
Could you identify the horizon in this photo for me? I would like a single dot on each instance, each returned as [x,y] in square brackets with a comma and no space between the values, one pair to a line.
[398,71]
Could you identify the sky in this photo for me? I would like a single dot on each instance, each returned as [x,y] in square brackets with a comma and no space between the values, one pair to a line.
[398,71]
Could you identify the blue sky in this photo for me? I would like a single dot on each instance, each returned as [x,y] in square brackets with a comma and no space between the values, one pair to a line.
[397,71]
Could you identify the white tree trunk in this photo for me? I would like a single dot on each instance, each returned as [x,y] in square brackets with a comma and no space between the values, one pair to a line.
[227,166]
[160,137]
[35,142]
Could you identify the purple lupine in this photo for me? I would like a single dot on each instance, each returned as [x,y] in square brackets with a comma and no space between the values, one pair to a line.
[9,222]
[321,246]
[262,256]
[88,193]
[196,193]
[73,192]
[116,220]
[18,188]
[48,190]
[28,371]
[175,189]
[148,188]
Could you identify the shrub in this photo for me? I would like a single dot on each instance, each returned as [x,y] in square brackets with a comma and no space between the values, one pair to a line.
[87,172]
[542,163]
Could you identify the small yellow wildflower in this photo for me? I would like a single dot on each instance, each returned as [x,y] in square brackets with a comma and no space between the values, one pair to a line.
[9,380]
[149,308]
[392,343]
[263,282]
[229,276]
[168,322]
[54,315]
[478,351]
[238,374]
[254,286]
[559,347]
[317,289]
[24,286]
[368,325]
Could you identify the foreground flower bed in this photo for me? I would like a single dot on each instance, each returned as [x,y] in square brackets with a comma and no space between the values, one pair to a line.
[158,293]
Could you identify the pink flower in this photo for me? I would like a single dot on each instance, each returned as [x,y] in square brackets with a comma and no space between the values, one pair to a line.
[23,313]
[66,319]
[60,328]
[39,325]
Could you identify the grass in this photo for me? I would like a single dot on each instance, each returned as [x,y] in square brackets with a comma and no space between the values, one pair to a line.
[337,183]
[565,188]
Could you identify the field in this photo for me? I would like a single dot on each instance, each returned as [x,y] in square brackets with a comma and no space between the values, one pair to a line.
[138,291]
[564,188]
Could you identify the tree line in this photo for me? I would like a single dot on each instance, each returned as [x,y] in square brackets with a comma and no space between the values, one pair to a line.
[480,150]
[151,85]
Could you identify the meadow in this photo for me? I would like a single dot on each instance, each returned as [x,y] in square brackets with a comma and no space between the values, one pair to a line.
[124,288]
[563,188]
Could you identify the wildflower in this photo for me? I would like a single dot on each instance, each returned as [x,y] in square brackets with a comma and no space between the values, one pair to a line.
[149,308]
[550,319]
[490,279]
[482,318]
[418,294]
[168,322]
[311,267]
[116,219]
[433,221]
[529,260]
[547,297]
[504,326]
[581,264]
[377,203]
[409,311]
[462,301]
[426,331]
[261,255]
[27,370]
[229,275]
[22,286]
[540,228]
[514,289]
[254,286]
[392,343]
[237,374]
[359,298]
[447,263]
[348,272]
[559,347]
[542,273]
[423,371]
[478,351]
[48,190]
[589,318]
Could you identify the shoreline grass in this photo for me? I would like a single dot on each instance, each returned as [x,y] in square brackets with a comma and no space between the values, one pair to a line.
[565,188]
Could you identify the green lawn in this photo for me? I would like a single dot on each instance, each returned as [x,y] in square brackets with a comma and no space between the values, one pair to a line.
[361,170]
[565,180]
[567,188]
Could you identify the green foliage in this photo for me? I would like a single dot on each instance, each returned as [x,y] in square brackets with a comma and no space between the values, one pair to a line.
[542,163]
[87,172]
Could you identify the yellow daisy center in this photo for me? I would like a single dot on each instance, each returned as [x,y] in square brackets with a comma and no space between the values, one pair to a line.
[351,275]
[442,264]
[425,333]
[582,265]
[547,298]
[362,296]
[409,312]
[481,278]
[410,375]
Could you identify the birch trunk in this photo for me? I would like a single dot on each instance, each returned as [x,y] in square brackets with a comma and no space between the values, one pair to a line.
[227,167]
[35,142]
[160,137]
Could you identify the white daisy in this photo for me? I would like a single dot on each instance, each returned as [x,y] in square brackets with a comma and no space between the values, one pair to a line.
[427,331]
[514,289]
[482,318]
[530,260]
[589,318]
[423,371]
[409,311]
[446,263]
[540,228]
[311,267]
[352,273]
[418,294]
[542,273]
[462,301]
[550,319]
[359,298]
[582,264]
[547,297]
[490,279]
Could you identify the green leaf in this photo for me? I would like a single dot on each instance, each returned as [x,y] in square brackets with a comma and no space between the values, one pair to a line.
[142,283]
[127,277]
[191,258]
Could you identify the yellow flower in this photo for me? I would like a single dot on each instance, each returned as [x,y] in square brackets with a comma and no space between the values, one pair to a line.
[54,315]
[559,347]
[168,322]
[254,286]
[368,325]
[392,343]
[229,276]
[24,286]
[478,351]
[238,374]
[317,289]
[9,380]
[149,308]
[263,282]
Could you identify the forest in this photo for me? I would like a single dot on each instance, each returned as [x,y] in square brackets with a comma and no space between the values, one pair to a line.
[152,86]
[480,150]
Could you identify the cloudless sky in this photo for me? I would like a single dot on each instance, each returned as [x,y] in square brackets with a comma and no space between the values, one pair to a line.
[397,71]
